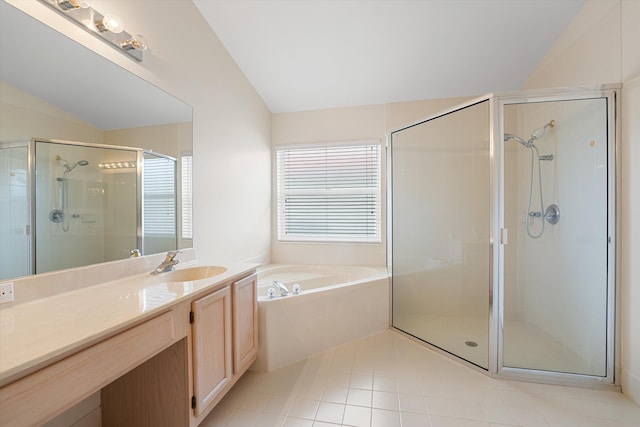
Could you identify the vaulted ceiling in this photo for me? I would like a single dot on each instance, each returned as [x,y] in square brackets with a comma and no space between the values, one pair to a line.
[315,54]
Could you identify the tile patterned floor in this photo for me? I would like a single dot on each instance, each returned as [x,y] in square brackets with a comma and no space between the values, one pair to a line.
[387,380]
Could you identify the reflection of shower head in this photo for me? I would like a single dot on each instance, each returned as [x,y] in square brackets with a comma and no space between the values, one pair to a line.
[73,166]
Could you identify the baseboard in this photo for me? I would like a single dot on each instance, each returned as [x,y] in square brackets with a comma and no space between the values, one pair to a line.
[630,386]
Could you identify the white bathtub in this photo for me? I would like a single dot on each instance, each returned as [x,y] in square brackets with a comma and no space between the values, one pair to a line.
[336,304]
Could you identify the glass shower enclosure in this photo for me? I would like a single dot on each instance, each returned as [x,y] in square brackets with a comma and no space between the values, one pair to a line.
[70,204]
[503,233]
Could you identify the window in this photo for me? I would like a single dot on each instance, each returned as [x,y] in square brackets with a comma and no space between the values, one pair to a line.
[159,208]
[329,193]
[186,165]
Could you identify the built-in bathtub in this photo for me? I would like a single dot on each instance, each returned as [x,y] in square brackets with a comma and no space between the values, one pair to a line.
[336,304]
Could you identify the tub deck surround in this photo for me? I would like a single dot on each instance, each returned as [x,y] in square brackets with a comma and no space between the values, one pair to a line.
[337,304]
[315,278]
[43,333]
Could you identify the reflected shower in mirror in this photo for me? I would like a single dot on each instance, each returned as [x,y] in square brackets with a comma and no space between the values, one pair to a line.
[53,88]
[86,211]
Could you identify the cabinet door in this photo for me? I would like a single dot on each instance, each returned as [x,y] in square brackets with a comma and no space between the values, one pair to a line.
[245,323]
[211,346]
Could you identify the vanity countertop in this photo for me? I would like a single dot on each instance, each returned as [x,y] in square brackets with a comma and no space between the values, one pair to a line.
[37,332]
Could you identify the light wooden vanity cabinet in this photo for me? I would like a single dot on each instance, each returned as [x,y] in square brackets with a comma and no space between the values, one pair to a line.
[225,340]
[212,363]
[245,323]
[167,370]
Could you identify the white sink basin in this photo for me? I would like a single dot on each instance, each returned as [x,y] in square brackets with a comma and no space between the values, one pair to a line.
[193,273]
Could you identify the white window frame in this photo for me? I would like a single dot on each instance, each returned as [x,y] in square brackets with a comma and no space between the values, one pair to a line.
[368,230]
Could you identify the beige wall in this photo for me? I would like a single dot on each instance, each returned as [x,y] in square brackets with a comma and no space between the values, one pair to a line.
[601,46]
[344,124]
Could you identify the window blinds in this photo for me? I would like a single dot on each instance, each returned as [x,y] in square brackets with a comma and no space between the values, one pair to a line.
[187,196]
[159,209]
[329,193]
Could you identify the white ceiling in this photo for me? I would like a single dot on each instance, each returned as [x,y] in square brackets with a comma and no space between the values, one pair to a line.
[314,54]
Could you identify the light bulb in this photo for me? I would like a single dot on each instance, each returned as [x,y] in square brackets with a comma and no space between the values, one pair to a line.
[110,22]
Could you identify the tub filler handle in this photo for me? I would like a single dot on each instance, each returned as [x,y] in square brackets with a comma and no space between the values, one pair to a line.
[281,287]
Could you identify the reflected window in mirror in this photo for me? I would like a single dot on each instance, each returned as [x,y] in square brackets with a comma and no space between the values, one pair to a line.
[186,202]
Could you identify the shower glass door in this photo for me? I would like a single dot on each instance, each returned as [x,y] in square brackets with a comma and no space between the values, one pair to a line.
[556,157]
[440,231]
[15,227]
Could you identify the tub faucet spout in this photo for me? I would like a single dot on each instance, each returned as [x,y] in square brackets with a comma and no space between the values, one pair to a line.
[281,287]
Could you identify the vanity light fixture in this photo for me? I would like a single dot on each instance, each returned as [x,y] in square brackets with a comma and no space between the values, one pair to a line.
[117,165]
[70,4]
[107,27]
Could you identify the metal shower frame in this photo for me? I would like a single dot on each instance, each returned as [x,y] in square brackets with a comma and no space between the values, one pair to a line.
[497,102]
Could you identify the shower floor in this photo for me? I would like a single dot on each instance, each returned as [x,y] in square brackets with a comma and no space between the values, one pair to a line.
[528,346]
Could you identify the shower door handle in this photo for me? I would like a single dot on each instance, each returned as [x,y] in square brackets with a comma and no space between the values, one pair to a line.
[504,236]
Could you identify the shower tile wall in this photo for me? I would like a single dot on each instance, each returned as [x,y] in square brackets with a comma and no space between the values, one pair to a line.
[14,202]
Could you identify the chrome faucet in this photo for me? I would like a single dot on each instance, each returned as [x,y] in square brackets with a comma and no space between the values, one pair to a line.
[168,264]
[281,287]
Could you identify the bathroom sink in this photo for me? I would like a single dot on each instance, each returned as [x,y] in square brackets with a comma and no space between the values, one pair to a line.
[190,274]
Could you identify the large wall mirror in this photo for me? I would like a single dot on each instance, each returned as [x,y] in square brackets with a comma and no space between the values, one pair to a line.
[74,131]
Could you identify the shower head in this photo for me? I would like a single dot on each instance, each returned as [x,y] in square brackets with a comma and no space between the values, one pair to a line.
[73,166]
[538,133]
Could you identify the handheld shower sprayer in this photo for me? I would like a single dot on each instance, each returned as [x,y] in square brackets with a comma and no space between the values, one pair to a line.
[508,136]
[536,134]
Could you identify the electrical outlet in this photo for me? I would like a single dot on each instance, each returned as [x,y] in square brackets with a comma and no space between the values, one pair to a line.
[6,292]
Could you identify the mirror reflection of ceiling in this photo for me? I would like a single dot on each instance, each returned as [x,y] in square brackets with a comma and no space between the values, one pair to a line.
[34,57]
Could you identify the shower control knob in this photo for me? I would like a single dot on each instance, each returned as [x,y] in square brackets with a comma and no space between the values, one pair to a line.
[56,216]
[552,214]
